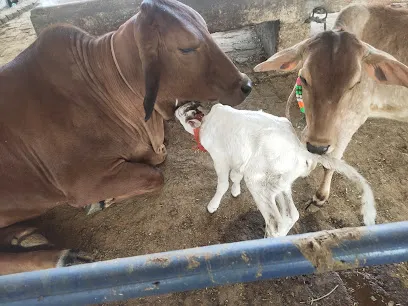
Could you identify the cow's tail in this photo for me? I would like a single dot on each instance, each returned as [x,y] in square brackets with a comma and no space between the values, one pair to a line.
[368,203]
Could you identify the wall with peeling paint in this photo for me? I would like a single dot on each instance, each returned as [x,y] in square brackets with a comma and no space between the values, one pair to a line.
[101,16]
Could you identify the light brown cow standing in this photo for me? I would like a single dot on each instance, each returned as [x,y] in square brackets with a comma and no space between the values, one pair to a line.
[72,117]
[346,80]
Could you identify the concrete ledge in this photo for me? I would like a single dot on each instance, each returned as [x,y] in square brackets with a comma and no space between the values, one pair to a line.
[242,46]
[8,14]
[101,16]
[268,33]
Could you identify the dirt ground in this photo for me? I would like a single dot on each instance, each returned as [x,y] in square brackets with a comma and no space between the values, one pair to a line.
[176,217]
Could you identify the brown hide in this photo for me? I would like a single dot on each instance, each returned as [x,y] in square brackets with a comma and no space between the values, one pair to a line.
[73,107]
[338,68]
[343,73]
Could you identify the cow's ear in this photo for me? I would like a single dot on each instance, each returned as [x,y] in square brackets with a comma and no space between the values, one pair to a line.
[147,39]
[285,60]
[384,68]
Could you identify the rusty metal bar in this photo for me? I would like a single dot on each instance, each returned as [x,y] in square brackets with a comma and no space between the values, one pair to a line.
[209,266]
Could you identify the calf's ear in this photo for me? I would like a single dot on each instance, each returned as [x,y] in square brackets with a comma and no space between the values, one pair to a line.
[384,68]
[147,39]
[285,60]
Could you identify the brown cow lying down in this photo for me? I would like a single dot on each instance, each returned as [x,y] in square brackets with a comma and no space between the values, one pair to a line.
[346,80]
[73,110]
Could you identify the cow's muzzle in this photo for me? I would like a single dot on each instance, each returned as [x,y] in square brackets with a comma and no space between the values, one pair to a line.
[246,86]
[317,150]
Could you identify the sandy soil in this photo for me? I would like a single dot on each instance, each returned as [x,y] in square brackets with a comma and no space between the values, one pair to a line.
[15,36]
[176,217]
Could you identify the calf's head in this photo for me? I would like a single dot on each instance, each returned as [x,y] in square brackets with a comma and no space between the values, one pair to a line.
[190,115]
[334,66]
[180,59]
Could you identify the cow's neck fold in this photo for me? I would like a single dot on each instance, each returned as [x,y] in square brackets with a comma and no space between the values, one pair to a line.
[125,53]
[115,94]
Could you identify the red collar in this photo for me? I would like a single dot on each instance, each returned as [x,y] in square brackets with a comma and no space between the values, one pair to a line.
[199,146]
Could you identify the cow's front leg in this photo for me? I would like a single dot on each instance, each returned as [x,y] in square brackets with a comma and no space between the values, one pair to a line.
[123,181]
[151,158]
[322,194]
[95,207]
[222,170]
[157,156]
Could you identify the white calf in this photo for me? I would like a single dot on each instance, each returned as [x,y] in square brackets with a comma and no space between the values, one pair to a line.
[265,151]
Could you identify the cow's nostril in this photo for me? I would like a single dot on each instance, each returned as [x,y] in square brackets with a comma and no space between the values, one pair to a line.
[247,88]
[317,150]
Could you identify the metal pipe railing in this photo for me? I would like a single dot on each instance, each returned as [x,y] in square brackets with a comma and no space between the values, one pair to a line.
[209,266]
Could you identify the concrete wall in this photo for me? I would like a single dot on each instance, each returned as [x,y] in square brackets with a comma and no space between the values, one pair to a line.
[101,16]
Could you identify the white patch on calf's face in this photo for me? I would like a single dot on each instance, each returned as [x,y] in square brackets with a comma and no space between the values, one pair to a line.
[186,115]
[194,123]
[182,118]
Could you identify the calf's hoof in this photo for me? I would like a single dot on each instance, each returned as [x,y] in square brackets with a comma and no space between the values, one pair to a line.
[73,258]
[212,208]
[235,191]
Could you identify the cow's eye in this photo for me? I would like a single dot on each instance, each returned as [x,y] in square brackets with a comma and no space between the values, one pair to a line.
[187,50]
[303,80]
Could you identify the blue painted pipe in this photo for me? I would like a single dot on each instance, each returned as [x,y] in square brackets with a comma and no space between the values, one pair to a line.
[209,266]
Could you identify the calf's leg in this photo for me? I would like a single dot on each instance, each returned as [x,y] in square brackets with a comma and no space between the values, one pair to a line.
[236,178]
[289,211]
[222,171]
[265,200]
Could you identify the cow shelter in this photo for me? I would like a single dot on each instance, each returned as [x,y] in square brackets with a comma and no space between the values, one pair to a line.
[165,249]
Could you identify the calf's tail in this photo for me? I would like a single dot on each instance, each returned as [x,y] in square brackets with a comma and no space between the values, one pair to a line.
[368,203]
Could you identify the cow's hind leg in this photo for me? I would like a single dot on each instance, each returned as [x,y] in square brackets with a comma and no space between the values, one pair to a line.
[24,249]
[17,262]
[21,236]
